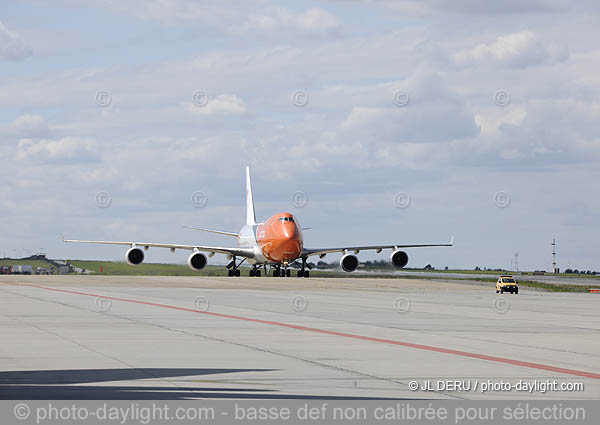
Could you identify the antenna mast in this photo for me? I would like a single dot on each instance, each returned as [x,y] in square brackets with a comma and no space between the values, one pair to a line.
[554,269]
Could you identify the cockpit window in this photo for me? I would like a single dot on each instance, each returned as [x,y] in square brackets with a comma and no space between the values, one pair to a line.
[286,219]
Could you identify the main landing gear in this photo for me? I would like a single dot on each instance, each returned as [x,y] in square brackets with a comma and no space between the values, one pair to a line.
[234,267]
[303,272]
[284,271]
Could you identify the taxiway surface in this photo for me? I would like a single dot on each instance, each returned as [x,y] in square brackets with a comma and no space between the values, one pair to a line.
[104,337]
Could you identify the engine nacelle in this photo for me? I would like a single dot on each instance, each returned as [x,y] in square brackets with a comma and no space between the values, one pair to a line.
[134,256]
[399,259]
[197,261]
[349,262]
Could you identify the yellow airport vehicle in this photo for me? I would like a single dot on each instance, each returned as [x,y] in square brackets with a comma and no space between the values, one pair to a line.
[507,283]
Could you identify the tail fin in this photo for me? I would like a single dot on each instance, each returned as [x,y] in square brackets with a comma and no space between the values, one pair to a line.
[250,217]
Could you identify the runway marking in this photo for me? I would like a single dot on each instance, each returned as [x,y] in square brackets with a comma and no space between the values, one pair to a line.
[503,360]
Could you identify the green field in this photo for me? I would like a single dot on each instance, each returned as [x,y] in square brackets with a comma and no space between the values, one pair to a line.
[146,269]
[497,272]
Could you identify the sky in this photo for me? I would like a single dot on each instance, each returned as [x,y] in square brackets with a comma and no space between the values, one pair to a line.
[381,121]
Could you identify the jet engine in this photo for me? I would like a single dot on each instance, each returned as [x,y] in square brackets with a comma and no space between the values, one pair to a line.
[399,259]
[134,256]
[349,262]
[197,261]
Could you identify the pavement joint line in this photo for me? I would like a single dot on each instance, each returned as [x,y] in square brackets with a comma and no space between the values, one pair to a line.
[41,329]
[428,332]
[361,375]
[430,348]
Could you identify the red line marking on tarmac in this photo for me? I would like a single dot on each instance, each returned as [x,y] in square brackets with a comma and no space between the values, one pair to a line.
[504,360]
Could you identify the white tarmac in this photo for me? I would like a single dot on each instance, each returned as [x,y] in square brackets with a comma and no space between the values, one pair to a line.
[150,338]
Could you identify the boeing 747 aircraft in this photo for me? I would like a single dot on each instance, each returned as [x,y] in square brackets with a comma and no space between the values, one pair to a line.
[274,245]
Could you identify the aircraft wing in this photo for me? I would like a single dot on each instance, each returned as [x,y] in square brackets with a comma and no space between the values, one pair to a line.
[356,249]
[239,252]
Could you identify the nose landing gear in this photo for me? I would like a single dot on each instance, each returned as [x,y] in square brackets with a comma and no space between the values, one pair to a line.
[283,270]
[279,271]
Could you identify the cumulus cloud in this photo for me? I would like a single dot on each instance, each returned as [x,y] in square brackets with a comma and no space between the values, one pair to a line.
[314,20]
[169,11]
[474,7]
[552,132]
[255,15]
[30,125]
[223,104]
[62,150]
[518,50]
[432,114]
[376,125]
[11,45]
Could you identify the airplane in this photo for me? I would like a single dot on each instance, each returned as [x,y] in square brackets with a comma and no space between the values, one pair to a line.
[276,243]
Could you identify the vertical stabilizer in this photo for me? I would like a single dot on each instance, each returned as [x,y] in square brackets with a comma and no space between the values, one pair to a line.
[250,217]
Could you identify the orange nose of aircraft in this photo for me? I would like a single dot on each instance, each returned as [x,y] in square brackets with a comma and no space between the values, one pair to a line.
[283,238]
[288,230]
